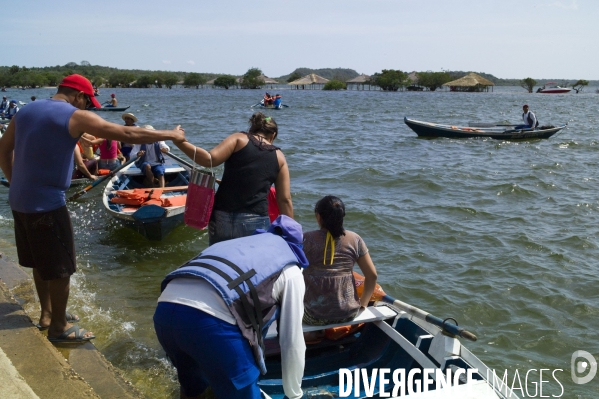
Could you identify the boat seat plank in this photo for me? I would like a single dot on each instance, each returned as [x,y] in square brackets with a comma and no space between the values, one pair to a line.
[371,313]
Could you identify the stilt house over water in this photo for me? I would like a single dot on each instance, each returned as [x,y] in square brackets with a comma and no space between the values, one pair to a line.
[470,82]
[313,81]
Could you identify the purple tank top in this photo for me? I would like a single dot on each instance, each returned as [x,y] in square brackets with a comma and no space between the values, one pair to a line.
[43,161]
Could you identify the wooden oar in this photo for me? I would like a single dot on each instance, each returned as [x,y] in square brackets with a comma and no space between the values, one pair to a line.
[381,296]
[180,160]
[100,180]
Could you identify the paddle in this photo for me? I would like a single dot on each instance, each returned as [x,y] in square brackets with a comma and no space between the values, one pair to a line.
[255,105]
[178,159]
[100,180]
[380,295]
[4,182]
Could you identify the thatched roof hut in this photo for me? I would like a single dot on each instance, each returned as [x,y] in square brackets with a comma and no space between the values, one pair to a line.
[311,80]
[267,80]
[470,82]
[360,80]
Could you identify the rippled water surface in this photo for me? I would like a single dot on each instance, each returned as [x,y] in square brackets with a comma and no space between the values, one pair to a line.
[503,236]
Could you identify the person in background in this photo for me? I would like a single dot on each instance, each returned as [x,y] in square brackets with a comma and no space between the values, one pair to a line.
[130,120]
[208,335]
[113,102]
[33,98]
[277,101]
[108,153]
[151,160]
[331,296]
[96,92]
[252,165]
[268,99]
[12,109]
[3,104]
[82,167]
[529,118]
[49,129]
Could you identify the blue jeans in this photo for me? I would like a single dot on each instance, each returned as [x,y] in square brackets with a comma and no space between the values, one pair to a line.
[207,352]
[111,164]
[226,226]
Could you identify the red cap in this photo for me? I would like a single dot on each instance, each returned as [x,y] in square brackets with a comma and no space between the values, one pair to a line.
[525,106]
[112,95]
[81,83]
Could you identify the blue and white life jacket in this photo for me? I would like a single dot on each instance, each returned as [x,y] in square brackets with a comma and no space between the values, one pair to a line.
[243,271]
[3,105]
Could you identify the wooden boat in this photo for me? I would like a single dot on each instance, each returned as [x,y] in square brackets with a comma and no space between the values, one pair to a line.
[553,88]
[390,339]
[152,221]
[109,109]
[428,129]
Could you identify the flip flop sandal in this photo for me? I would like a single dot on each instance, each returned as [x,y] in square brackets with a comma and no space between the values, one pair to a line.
[71,318]
[78,339]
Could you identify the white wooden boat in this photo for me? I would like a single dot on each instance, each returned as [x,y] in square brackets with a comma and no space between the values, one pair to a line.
[152,221]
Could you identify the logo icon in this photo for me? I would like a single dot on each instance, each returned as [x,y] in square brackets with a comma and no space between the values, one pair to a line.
[580,366]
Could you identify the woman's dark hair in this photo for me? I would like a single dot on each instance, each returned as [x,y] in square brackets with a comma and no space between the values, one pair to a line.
[332,211]
[262,123]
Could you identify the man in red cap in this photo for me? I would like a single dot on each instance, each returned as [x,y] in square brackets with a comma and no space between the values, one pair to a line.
[36,156]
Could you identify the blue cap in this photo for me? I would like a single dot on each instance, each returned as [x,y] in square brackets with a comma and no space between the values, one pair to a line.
[13,101]
[290,231]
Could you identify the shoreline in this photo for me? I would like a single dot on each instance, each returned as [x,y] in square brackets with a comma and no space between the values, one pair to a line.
[32,368]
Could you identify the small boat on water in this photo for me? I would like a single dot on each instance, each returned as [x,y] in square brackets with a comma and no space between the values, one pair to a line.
[553,88]
[429,130]
[109,109]
[157,218]
[393,340]
[270,106]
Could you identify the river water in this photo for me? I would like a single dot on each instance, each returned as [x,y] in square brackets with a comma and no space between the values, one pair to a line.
[502,236]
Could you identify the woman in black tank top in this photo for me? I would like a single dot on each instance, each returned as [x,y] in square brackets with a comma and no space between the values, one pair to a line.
[252,165]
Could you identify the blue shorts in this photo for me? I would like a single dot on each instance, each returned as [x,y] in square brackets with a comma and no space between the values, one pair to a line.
[207,351]
[157,170]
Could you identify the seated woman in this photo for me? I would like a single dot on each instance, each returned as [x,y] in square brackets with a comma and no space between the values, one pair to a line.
[331,296]
[83,168]
[108,153]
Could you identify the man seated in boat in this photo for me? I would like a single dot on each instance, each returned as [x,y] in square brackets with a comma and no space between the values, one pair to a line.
[151,161]
[113,101]
[129,120]
[3,104]
[213,311]
[529,118]
[277,100]
[11,110]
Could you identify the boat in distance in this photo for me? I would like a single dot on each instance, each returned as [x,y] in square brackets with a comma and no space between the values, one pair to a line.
[431,130]
[553,88]
[109,108]
[390,339]
[153,221]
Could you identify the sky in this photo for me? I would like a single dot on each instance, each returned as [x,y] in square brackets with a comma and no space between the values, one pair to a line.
[510,39]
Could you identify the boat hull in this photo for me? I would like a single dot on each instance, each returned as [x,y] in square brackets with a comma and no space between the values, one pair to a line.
[393,341]
[109,109]
[555,91]
[152,221]
[432,130]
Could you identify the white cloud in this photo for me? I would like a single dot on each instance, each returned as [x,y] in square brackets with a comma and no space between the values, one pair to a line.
[190,62]
[166,62]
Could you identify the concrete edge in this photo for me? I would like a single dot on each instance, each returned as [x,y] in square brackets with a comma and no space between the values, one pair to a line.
[87,373]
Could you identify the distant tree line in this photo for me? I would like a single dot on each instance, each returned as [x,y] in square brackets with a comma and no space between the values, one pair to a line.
[100,76]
